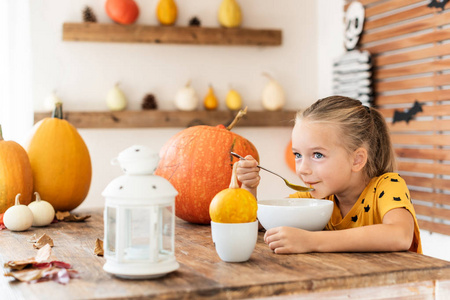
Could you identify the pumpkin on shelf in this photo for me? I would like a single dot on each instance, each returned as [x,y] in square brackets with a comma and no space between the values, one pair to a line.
[198,163]
[60,162]
[15,174]
[122,11]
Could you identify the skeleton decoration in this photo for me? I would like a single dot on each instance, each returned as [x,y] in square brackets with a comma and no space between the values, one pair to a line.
[352,72]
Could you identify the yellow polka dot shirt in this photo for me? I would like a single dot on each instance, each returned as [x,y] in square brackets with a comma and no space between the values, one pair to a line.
[382,194]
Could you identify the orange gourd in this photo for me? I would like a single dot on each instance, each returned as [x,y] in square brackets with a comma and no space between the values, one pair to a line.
[289,157]
[198,163]
[60,162]
[233,205]
[15,174]
[166,12]
[122,11]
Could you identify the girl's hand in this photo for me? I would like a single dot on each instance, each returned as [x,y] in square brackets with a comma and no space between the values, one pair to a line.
[284,240]
[248,173]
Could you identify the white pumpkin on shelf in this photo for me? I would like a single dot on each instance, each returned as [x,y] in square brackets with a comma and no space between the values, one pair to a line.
[115,99]
[186,98]
[50,101]
[273,97]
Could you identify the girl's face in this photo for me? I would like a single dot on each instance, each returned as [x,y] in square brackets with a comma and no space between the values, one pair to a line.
[320,159]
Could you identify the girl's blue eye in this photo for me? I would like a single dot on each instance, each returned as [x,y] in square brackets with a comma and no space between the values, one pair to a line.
[297,155]
[318,155]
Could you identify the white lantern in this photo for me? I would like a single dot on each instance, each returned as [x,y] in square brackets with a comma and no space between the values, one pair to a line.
[139,218]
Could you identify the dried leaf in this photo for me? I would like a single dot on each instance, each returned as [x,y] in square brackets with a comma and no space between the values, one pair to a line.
[43,254]
[2,225]
[42,241]
[69,217]
[32,239]
[98,247]
[60,215]
[20,264]
[27,274]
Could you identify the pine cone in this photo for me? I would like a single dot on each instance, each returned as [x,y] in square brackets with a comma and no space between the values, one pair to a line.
[149,102]
[194,22]
[88,15]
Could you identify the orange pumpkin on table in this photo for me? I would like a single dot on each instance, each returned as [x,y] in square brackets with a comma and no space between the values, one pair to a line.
[198,163]
[60,162]
[122,11]
[15,174]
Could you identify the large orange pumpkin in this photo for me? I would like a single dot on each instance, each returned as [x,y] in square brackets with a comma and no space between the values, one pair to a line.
[198,163]
[15,174]
[122,11]
[60,162]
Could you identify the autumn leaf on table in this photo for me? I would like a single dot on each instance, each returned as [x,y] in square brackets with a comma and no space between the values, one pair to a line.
[66,216]
[36,269]
[42,241]
[42,255]
[98,250]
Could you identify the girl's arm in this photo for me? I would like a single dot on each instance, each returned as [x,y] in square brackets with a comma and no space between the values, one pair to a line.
[248,173]
[395,234]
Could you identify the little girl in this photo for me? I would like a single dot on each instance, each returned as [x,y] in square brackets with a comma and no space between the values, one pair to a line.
[343,150]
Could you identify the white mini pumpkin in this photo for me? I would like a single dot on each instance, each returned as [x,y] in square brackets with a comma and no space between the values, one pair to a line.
[186,98]
[43,212]
[18,217]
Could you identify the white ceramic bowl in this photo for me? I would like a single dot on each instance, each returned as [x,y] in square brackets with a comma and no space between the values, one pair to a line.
[304,213]
[234,242]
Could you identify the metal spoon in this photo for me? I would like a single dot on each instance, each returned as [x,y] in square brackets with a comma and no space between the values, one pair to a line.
[292,186]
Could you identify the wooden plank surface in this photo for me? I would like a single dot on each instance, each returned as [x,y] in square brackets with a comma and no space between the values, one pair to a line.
[427,52]
[433,96]
[159,119]
[202,275]
[97,32]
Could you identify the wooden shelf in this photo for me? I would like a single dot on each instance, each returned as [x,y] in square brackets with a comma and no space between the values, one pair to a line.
[160,119]
[95,32]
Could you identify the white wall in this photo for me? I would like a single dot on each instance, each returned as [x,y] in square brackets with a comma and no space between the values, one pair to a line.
[82,73]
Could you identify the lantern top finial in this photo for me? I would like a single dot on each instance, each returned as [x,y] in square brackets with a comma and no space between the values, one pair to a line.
[137,160]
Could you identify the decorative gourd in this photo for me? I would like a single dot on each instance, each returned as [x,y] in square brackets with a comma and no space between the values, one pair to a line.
[210,102]
[50,101]
[233,100]
[122,11]
[115,99]
[60,162]
[186,98]
[167,12]
[15,174]
[233,205]
[43,212]
[198,163]
[18,217]
[273,95]
[230,14]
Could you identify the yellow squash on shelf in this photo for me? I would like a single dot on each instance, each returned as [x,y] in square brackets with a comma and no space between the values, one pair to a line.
[167,12]
[230,15]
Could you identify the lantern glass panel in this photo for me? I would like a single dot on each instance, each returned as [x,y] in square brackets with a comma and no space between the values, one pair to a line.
[110,242]
[168,231]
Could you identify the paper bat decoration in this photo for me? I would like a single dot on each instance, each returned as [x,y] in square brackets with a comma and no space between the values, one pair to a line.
[438,3]
[407,115]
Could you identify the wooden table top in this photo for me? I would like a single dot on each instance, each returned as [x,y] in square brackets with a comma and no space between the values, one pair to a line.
[202,275]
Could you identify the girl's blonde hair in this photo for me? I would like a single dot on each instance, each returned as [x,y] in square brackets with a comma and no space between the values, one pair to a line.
[359,126]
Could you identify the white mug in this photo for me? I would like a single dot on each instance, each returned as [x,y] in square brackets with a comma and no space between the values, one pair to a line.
[234,242]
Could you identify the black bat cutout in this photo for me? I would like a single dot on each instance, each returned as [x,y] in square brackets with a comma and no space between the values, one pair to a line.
[407,115]
[438,3]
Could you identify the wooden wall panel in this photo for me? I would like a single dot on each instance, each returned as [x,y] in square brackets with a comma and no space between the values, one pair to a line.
[410,47]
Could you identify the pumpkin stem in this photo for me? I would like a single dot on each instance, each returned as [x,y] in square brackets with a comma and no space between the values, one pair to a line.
[238,117]
[234,182]
[38,197]
[17,199]
[57,112]
[1,133]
